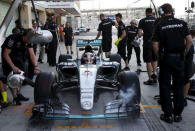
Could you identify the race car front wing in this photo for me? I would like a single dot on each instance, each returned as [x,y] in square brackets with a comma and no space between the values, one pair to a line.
[113,110]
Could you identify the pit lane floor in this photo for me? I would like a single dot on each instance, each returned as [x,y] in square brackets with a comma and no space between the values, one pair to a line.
[16,118]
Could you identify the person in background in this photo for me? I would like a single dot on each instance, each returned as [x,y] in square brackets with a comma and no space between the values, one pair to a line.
[188,72]
[41,47]
[121,41]
[68,37]
[132,42]
[105,29]
[15,31]
[60,32]
[34,28]
[145,28]
[19,26]
[52,47]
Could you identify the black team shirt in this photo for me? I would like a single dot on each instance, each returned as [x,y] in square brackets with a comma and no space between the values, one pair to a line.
[147,25]
[132,32]
[106,27]
[170,33]
[19,50]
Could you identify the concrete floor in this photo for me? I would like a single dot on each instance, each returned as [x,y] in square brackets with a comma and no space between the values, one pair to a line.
[16,118]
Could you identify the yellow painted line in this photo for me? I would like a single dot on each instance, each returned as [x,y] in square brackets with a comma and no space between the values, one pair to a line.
[151,105]
[22,107]
[28,112]
[142,110]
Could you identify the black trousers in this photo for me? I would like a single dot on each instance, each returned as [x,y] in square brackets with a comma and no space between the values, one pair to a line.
[172,70]
[51,51]
[122,49]
[137,52]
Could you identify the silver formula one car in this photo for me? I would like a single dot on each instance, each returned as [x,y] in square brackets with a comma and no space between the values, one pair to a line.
[87,74]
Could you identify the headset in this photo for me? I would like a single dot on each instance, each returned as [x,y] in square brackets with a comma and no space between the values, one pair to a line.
[160,11]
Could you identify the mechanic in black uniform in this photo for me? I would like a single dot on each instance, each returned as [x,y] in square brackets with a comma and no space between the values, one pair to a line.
[188,70]
[132,34]
[16,51]
[105,28]
[69,37]
[170,35]
[146,25]
[52,47]
[122,39]
[19,26]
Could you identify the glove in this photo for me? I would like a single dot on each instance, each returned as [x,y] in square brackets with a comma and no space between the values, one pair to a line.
[117,41]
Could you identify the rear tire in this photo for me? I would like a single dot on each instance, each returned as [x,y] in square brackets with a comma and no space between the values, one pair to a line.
[116,58]
[43,87]
[64,58]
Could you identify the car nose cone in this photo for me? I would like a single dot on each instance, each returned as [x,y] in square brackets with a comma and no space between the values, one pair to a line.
[87,105]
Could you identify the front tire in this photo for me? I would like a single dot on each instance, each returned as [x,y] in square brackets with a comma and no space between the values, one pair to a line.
[43,87]
[129,79]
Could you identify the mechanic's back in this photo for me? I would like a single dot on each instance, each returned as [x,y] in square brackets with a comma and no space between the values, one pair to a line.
[147,25]
[172,31]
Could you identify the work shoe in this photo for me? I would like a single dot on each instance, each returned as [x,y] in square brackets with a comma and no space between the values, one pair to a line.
[22,98]
[148,82]
[154,81]
[139,64]
[52,65]
[16,101]
[40,61]
[4,105]
[166,118]
[126,68]
[177,118]
[154,76]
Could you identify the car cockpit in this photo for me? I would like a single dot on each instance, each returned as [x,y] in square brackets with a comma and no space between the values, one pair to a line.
[89,56]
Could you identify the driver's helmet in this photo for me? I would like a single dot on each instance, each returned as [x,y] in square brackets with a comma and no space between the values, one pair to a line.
[88,48]
[89,58]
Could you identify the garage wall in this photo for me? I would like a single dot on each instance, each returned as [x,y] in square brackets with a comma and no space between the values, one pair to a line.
[4,6]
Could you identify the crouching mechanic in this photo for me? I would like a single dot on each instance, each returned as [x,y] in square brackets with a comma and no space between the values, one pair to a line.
[16,52]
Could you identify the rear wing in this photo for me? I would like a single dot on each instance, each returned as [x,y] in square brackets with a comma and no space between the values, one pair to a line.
[83,43]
